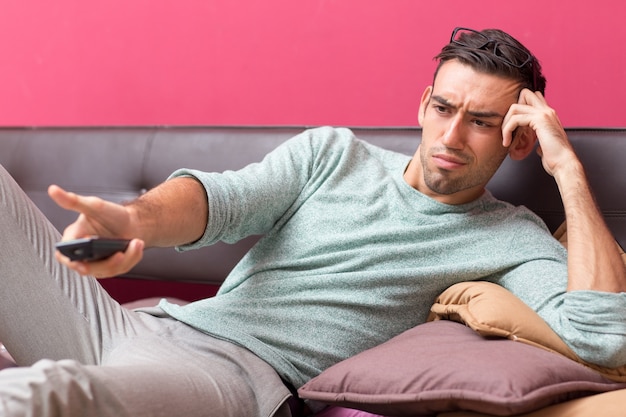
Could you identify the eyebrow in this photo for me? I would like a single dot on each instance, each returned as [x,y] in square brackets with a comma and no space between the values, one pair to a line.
[481,114]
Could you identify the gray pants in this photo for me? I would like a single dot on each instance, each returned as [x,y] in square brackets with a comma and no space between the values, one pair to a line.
[82,354]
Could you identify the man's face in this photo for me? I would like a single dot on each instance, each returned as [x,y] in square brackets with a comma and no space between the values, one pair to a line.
[461,117]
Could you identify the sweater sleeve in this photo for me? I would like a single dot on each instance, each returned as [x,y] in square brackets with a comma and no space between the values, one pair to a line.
[598,326]
[250,201]
[591,323]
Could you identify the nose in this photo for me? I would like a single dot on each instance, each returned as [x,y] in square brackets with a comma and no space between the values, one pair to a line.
[453,135]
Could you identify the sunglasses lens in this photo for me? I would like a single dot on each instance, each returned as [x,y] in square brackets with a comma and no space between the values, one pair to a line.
[469,38]
[507,52]
[512,54]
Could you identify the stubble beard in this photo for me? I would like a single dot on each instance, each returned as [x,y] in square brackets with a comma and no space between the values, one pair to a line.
[446,182]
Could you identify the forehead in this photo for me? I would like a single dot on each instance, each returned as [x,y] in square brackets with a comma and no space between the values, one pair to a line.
[464,87]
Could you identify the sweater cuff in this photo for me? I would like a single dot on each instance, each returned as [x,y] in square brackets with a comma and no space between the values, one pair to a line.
[598,319]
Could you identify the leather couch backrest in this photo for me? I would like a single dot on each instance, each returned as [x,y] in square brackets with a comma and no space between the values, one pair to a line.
[119,163]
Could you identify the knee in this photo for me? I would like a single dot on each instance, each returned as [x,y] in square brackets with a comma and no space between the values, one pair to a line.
[46,388]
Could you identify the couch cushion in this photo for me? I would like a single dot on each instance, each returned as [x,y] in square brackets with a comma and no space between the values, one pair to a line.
[333,411]
[492,310]
[444,366]
[608,404]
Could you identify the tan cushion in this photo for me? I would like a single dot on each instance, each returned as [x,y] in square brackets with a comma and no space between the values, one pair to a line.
[492,310]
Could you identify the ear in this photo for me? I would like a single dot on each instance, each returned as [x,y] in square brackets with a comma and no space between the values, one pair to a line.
[523,143]
[424,103]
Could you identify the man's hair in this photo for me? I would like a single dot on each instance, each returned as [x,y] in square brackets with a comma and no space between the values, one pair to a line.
[471,49]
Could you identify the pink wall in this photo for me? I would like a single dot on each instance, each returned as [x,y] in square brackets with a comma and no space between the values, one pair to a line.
[340,62]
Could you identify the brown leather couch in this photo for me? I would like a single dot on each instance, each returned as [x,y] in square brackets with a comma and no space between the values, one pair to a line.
[120,163]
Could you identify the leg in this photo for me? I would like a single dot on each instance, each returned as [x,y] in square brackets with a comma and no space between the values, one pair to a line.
[150,365]
[46,310]
[175,371]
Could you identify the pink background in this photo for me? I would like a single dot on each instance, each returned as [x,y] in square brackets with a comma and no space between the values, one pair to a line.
[301,62]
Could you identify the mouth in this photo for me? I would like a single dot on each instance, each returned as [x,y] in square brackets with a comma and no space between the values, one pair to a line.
[448,162]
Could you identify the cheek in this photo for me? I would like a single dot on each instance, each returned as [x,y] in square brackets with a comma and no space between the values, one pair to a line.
[488,147]
[490,158]
[432,130]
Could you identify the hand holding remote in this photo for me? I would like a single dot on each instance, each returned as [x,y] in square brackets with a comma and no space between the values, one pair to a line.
[100,257]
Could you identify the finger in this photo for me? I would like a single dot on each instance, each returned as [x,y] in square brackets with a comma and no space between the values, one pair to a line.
[508,127]
[63,198]
[521,114]
[72,201]
[78,229]
[508,133]
[120,263]
[516,119]
[80,267]
[532,98]
[69,201]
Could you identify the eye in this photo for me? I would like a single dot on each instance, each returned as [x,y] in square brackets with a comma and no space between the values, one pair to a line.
[440,109]
[482,123]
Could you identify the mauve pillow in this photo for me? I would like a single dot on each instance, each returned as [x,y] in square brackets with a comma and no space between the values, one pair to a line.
[445,366]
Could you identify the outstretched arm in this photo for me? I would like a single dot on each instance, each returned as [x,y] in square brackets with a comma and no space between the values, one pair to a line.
[171,214]
[594,262]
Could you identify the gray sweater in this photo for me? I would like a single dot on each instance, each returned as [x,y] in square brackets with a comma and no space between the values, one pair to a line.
[351,256]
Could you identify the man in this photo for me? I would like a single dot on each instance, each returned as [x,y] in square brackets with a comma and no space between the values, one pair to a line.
[357,243]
